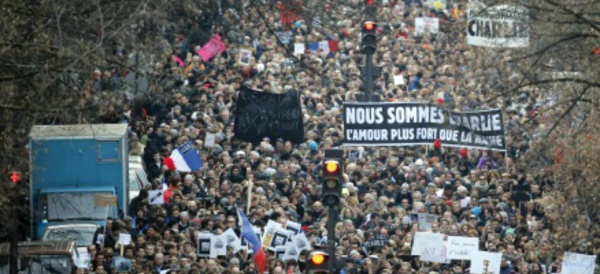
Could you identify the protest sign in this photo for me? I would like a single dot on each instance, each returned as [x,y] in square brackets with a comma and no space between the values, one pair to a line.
[260,114]
[376,241]
[83,261]
[121,263]
[209,140]
[425,220]
[426,24]
[299,48]
[245,56]
[213,47]
[301,242]
[355,154]
[399,80]
[204,244]
[156,197]
[269,232]
[293,227]
[486,262]
[285,37]
[280,238]
[218,246]
[503,26]
[408,124]
[124,239]
[291,252]
[430,246]
[574,263]
[461,248]
[232,240]
[279,252]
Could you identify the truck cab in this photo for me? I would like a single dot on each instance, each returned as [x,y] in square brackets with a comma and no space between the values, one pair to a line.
[41,257]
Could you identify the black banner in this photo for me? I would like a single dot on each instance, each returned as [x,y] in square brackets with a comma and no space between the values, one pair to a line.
[406,124]
[260,114]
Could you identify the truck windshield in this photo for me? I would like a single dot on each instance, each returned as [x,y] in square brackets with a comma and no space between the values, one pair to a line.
[74,206]
[81,235]
[39,264]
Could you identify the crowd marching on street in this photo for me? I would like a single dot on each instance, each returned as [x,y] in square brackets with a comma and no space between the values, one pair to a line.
[392,195]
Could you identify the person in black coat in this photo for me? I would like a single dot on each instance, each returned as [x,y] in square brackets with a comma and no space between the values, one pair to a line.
[136,203]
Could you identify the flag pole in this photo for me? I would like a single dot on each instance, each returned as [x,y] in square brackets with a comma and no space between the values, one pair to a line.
[105,220]
[249,193]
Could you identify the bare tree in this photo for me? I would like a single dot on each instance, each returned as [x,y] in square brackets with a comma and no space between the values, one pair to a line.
[61,62]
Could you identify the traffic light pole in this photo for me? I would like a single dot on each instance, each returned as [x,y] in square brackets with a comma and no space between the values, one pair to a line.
[368,77]
[331,221]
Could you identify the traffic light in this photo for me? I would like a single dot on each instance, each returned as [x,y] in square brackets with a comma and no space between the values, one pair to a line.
[369,28]
[317,262]
[369,37]
[332,183]
[14,177]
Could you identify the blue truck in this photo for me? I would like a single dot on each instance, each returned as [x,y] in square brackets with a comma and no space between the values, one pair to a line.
[70,167]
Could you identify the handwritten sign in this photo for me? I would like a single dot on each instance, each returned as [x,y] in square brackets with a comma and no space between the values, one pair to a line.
[486,262]
[461,248]
[574,263]
[213,47]
[430,246]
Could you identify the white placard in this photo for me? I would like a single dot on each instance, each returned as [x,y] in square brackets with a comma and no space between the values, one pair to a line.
[124,239]
[280,238]
[299,48]
[293,227]
[284,36]
[245,57]
[461,248]
[232,240]
[204,244]
[430,246]
[291,252]
[399,80]
[155,197]
[426,24]
[301,242]
[482,258]
[209,140]
[269,232]
[100,239]
[218,246]
[279,252]
[425,220]
[83,261]
[324,45]
[501,26]
[575,263]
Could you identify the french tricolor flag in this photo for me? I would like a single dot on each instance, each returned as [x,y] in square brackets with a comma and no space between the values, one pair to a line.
[185,158]
[260,258]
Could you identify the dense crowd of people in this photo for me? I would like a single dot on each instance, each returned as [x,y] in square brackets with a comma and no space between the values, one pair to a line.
[469,190]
